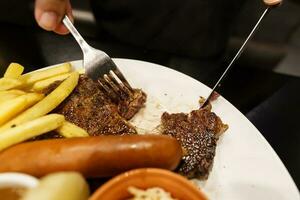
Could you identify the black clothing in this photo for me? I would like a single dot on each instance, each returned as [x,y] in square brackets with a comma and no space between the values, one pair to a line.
[194,28]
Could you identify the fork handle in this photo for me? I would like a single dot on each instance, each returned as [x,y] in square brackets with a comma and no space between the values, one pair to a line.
[85,47]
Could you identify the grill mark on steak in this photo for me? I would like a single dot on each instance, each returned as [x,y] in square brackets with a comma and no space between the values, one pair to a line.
[91,109]
[197,133]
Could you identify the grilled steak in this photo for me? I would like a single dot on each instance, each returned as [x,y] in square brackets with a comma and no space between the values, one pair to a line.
[198,133]
[91,109]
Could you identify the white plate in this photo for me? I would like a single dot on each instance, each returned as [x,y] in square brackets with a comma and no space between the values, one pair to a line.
[245,166]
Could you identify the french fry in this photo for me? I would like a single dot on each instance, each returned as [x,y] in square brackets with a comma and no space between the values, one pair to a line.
[40,85]
[10,94]
[30,129]
[46,105]
[9,83]
[33,77]
[15,92]
[14,70]
[81,71]
[10,109]
[32,98]
[70,130]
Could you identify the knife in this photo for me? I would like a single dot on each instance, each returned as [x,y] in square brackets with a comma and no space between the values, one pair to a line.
[270,4]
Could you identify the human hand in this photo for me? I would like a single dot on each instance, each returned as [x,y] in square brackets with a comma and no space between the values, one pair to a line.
[49,14]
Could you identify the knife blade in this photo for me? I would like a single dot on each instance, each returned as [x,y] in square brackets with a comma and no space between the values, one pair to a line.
[270,4]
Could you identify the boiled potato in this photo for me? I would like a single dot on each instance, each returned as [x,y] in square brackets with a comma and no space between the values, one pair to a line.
[70,130]
[33,77]
[46,105]
[14,70]
[27,130]
[60,186]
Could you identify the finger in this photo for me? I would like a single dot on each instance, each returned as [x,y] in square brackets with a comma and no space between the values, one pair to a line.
[61,29]
[49,13]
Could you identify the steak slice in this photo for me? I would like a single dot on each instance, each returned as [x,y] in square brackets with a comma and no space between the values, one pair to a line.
[198,133]
[91,109]
[132,104]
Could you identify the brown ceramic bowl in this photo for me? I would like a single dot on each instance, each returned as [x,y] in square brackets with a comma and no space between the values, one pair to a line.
[178,186]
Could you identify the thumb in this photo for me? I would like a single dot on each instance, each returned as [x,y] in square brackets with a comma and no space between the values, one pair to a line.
[49,14]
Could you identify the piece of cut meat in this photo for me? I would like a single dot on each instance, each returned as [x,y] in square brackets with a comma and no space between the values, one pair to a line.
[198,133]
[132,104]
[91,109]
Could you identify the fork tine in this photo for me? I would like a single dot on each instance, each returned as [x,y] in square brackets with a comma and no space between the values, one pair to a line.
[112,84]
[119,83]
[119,74]
[109,91]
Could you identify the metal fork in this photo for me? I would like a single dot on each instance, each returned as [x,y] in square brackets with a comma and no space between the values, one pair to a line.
[100,67]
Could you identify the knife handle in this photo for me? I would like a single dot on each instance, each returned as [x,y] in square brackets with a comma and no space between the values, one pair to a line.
[272,3]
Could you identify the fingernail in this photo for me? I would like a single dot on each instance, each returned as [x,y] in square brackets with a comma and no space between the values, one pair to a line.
[48,20]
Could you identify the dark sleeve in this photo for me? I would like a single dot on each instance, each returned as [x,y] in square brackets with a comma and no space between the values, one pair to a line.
[197,28]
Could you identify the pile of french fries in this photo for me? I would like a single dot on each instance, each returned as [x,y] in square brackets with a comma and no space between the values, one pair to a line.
[24,109]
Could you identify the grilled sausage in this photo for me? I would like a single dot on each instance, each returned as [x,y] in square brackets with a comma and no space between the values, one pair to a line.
[100,156]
